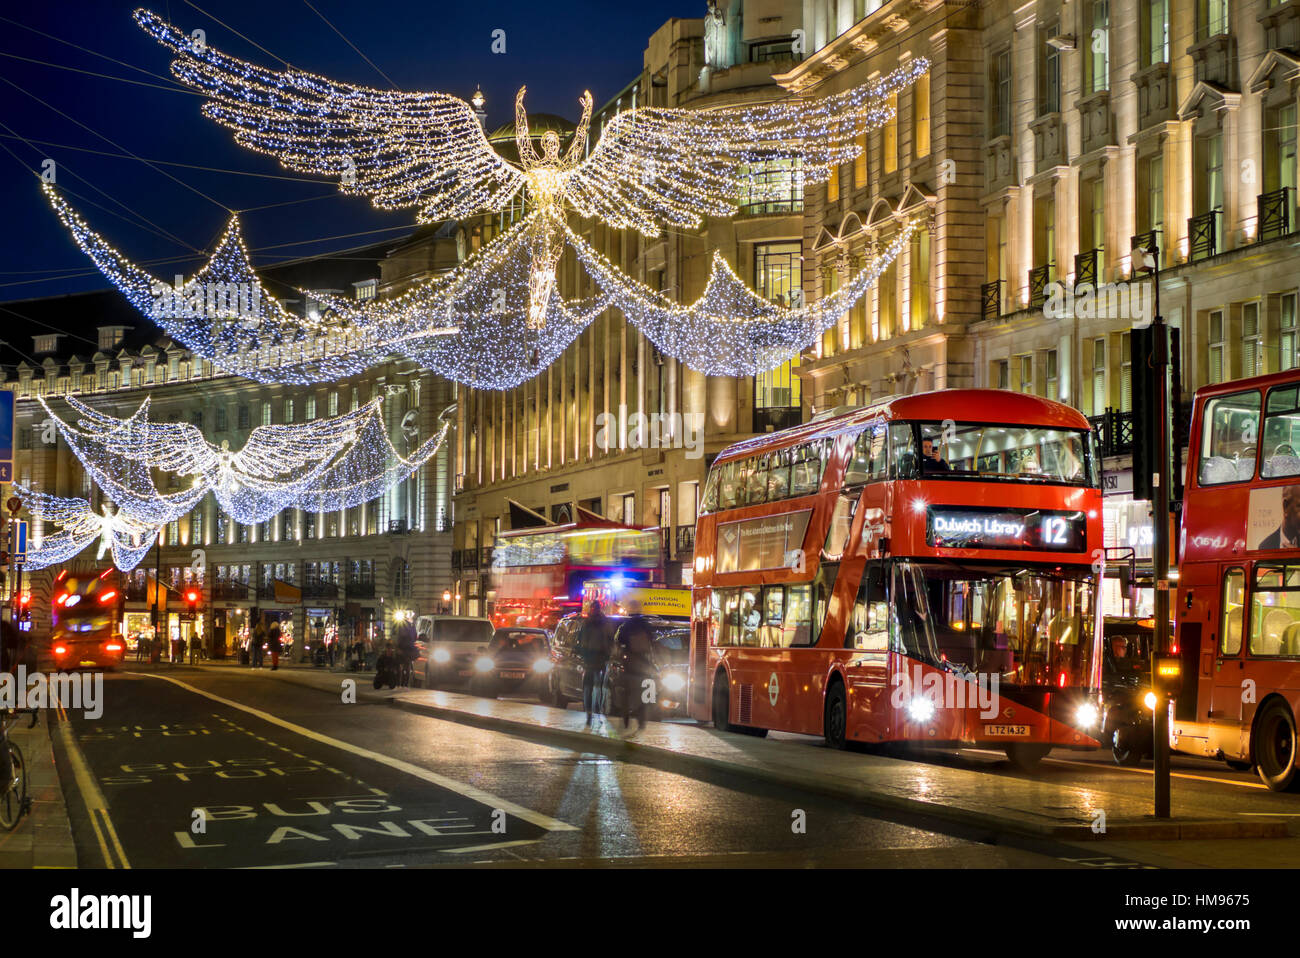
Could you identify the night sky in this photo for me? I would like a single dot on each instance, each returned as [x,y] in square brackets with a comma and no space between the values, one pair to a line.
[558,49]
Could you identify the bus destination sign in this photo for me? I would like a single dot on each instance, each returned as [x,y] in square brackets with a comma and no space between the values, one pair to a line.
[953,527]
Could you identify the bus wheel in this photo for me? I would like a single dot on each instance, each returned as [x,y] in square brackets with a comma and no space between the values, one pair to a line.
[1026,755]
[1275,747]
[721,704]
[835,723]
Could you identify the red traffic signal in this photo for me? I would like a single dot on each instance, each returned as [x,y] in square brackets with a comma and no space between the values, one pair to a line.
[192,597]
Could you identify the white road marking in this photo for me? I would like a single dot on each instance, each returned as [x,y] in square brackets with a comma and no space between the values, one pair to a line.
[461,788]
[487,848]
[96,806]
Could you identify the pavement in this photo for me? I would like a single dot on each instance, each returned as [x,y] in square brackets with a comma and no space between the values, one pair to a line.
[965,797]
[42,839]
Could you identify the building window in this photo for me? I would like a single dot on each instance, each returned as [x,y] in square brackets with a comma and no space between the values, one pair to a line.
[173,533]
[266,413]
[288,410]
[1049,76]
[921,116]
[833,185]
[196,528]
[1025,373]
[1290,342]
[1125,372]
[334,404]
[242,417]
[1209,168]
[777,273]
[1154,30]
[221,419]
[1280,150]
[860,164]
[1211,18]
[1098,376]
[1051,375]
[1097,51]
[1001,374]
[311,408]
[1151,194]
[1000,95]
[1252,345]
[1218,348]
[920,276]
[830,338]
[1045,235]
[890,140]
[887,302]
[773,186]
[196,418]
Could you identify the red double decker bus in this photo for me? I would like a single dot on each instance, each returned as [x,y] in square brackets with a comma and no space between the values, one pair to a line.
[1237,609]
[925,569]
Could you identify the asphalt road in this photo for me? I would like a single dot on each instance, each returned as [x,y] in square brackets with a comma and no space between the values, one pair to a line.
[198,768]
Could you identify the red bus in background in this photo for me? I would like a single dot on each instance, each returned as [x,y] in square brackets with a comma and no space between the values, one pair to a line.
[1237,605]
[925,569]
[539,573]
[87,610]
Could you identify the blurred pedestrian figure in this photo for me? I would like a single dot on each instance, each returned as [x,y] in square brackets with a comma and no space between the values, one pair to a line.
[637,641]
[179,656]
[273,642]
[593,647]
[333,647]
[406,653]
[255,644]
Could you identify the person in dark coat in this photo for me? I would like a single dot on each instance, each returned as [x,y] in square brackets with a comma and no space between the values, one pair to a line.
[274,644]
[637,641]
[593,647]
[255,643]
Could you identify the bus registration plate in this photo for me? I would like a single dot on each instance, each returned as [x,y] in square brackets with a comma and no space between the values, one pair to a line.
[514,675]
[1005,730]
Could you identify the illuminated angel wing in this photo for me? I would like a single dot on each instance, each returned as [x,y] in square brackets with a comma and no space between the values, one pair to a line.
[273,451]
[401,149]
[655,167]
[167,446]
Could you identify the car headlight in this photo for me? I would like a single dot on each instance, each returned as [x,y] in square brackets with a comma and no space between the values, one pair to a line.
[674,681]
[1150,700]
[1086,715]
[484,664]
[542,665]
[920,709]
[441,656]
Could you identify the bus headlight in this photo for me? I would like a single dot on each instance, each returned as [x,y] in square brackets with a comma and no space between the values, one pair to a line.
[484,664]
[542,666]
[674,681]
[441,656]
[920,709]
[1150,700]
[1086,715]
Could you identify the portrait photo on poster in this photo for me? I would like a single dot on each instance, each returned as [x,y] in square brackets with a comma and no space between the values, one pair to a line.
[1274,520]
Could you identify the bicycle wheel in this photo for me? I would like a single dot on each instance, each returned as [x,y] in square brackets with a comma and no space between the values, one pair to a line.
[14,800]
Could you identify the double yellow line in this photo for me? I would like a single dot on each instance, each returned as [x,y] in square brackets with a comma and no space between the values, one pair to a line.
[109,844]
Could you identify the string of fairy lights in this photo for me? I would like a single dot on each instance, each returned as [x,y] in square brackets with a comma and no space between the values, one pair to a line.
[322,465]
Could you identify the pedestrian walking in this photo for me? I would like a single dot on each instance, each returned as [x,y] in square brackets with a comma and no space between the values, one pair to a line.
[333,647]
[273,642]
[255,644]
[406,653]
[593,647]
[179,657]
[637,641]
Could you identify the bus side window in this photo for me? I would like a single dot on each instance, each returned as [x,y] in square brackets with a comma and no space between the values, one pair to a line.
[1234,587]
[778,475]
[1281,433]
[859,467]
[769,636]
[1230,433]
[717,624]
[879,452]
[756,483]
[795,630]
[869,629]
[709,502]
[903,450]
[806,474]
[823,586]
[1275,611]
[750,617]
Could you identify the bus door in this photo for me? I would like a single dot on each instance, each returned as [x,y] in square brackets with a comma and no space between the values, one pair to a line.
[1229,664]
[868,670]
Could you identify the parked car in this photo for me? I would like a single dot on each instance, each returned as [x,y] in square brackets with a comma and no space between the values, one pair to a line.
[446,647]
[516,659]
[564,681]
[670,646]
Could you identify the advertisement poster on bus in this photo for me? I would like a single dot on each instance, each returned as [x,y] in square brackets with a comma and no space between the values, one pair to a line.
[1274,518]
[762,543]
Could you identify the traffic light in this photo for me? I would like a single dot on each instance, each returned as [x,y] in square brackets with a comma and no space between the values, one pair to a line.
[24,613]
[1147,420]
[192,596]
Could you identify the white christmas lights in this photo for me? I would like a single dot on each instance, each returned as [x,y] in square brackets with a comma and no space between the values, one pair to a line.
[128,537]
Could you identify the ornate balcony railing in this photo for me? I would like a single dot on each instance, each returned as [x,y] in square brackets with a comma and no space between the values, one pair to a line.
[230,591]
[1114,432]
[320,590]
[1039,277]
[1203,232]
[360,590]
[1087,267]
[991,299]
[1274,214]
[397,526]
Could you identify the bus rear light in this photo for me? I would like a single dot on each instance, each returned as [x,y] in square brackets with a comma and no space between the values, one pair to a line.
[108,597]
[1060,681]
[60,650]
[113,647]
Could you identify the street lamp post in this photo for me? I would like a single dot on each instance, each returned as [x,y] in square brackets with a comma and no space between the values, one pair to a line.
[1160,479]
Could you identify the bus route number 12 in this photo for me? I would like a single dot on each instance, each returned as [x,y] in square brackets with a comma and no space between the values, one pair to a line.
[1055,531]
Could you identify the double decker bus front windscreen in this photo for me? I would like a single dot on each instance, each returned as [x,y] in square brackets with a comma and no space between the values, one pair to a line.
[1029,626]
[1008,452]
